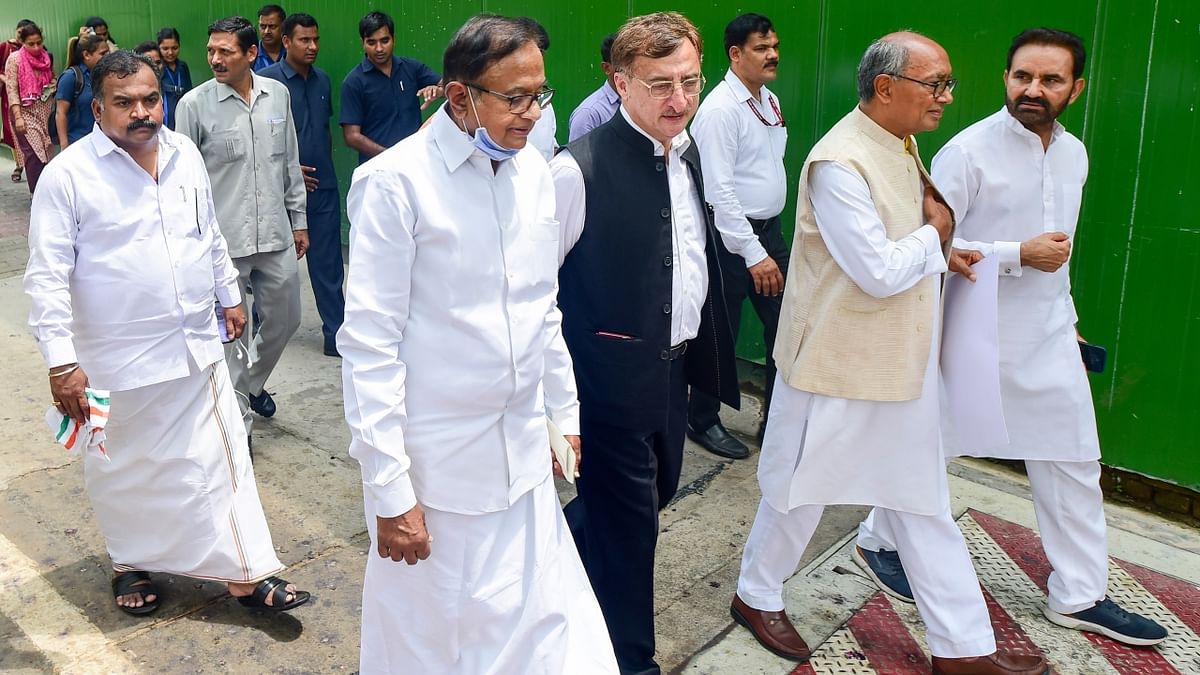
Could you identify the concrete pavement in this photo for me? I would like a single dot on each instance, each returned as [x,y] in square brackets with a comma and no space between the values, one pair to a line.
[57,613]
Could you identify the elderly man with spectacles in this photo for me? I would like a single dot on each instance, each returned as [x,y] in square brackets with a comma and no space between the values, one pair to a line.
[643,314]
[453,359]
[856,396]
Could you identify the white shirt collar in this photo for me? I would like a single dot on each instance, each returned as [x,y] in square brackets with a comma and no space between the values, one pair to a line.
[103,145]
[1015,124]
[454,145]
[741,91]
[679,143]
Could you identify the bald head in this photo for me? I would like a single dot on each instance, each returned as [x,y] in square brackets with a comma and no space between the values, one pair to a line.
[893,54]
[904,82]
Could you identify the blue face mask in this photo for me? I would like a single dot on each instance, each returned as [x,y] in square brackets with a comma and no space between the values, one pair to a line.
[483,141]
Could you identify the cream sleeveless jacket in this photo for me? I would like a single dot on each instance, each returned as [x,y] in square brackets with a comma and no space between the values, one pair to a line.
[834,339]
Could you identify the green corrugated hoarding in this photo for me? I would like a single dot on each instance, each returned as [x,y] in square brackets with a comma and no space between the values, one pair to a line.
[1136,278]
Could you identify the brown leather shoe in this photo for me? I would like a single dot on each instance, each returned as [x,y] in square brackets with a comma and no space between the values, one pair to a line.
[773,630]
[997,663]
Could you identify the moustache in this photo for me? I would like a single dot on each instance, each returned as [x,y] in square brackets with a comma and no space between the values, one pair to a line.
[142,124]
[771,64]
[1036,101]
[220,69]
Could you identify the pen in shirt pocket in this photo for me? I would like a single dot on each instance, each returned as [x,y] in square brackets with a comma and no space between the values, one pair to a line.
[196,201]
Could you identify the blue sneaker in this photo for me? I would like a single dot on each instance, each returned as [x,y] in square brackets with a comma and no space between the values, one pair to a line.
[262,404]
[1110,620]
[885,570]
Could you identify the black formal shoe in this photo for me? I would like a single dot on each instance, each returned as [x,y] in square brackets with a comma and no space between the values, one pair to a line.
[719,442]
[262,404]
[332,350]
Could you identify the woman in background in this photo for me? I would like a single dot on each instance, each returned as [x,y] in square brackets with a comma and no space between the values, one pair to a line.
[8,137]
[176,79]
[29,79]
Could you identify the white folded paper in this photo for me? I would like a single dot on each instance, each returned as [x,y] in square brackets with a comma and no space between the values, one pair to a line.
[563,451]
[973,416]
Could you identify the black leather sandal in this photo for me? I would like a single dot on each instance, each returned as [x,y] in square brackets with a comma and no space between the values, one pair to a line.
[275,589]
[137,581]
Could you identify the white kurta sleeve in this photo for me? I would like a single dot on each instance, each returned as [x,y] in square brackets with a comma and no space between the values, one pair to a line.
[956,179]
[52,231]
[717,140]
[857,239]
[378,293]
[570,201]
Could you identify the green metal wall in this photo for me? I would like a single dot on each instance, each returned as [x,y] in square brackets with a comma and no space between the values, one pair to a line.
[1135,274]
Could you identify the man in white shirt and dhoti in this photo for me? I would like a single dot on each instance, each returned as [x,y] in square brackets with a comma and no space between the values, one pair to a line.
[1015,182]
[126,264]
[856,400]
[453,360]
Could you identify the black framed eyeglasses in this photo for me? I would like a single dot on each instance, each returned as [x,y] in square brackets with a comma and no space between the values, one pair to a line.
[663,89]
[939,87]
[520,103]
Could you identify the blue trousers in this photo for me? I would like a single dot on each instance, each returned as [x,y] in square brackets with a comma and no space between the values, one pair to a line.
[325,260]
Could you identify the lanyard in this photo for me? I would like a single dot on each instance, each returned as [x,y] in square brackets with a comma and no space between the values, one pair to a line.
[175,77]
[774,108]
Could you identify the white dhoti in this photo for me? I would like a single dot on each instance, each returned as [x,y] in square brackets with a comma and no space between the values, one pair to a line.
[502,592]
[178,493]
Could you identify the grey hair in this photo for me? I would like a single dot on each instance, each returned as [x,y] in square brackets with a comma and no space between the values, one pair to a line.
[119,64]
[885,56]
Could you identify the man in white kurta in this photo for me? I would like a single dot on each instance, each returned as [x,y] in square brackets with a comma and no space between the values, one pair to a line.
[1015,181]
[125,265]
[453,359]
[844,423]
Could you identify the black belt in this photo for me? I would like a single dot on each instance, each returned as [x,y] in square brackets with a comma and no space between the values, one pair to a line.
[674,352]
[760,223]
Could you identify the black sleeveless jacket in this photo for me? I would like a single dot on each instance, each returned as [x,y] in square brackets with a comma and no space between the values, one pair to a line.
[617,279]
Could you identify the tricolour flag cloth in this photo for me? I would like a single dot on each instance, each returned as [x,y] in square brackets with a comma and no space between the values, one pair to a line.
[76,437]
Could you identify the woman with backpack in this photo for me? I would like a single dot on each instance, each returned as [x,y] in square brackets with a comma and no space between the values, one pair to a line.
[29,78]
[74,118]
[176,78]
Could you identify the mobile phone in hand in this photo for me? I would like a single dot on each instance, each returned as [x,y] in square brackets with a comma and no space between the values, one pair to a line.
[221,329]
[1094,356]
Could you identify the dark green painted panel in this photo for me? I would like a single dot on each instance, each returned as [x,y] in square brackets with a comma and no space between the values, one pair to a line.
[1135,272]
[1137,282]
